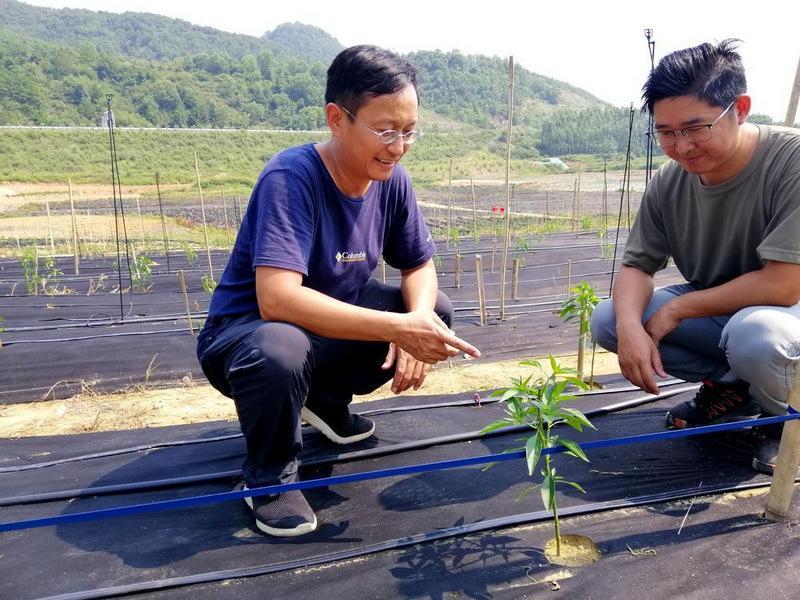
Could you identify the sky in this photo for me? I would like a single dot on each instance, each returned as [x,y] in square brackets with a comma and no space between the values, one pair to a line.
[599,46]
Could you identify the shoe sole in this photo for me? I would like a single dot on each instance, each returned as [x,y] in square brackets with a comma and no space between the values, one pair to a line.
[274,531]
[762,467]
[679,423]
[321,426]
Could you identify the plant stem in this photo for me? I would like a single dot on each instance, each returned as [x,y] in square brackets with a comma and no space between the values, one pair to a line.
[555,509]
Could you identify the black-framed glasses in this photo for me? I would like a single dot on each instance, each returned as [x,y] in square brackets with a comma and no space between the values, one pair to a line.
[695,133]
[388,136]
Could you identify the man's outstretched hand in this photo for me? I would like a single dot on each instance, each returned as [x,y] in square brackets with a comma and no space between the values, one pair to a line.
[639,359]
[426,337]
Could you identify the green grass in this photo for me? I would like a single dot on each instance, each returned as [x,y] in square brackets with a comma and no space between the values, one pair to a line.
[231,159]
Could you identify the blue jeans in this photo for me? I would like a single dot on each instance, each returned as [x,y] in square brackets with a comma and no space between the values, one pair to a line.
[758,344]
[271,369]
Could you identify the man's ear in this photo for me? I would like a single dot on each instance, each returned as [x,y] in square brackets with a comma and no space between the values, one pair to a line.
[742,106]
[333,117]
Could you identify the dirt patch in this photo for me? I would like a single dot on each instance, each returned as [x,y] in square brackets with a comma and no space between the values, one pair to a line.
[576,551]
[14,195]
[196,403]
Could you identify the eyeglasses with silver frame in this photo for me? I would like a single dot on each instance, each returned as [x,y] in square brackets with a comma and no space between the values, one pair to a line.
[388,136]
[695,133]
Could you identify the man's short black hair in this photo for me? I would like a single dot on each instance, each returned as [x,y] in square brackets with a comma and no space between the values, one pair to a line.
[714,74]
[362,72]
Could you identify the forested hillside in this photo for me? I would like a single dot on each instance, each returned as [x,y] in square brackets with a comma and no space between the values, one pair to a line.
[57,66]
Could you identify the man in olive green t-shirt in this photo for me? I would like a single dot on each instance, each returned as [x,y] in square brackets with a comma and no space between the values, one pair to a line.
[727,210]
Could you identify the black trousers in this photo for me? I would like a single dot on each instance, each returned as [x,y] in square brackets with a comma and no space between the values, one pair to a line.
[272,368]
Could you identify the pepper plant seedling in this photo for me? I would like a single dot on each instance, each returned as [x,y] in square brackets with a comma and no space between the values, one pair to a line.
[537,401]
[580,305]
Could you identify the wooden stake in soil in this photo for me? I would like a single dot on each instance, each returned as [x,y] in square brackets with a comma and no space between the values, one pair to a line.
[225,216]
[75,240]
[182,280]
[450,202]
[203,214]
[578,196]
[779,500]
[50,227]
[507,220]
[163,222]
[141,221]
[574,204]
[481,289]
[474,212]
[514,279]
[458,269]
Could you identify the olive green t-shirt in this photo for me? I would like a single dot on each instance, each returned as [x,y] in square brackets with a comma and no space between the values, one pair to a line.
[716,233]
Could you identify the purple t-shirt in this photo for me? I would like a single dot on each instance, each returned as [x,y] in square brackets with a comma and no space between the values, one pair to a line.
[298,220]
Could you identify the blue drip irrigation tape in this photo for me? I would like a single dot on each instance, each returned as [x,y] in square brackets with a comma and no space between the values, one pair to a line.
[381,473]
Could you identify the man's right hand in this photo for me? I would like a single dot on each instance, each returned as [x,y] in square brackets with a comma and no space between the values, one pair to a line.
[427,338]
[638,357]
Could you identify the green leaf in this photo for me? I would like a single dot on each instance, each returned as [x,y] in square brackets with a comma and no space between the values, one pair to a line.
[548,491]
[579,416]
[533,450]
[573,422]
[573,449]
[531,363]
[508,394]
[573,484]
[494,426]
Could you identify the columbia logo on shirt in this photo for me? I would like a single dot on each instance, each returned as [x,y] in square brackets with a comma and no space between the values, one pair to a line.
[349,257]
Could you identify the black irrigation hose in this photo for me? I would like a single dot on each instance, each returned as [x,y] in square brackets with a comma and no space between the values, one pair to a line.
[95,337]
[322,460]
[81,323]
[377,411]
[404,542]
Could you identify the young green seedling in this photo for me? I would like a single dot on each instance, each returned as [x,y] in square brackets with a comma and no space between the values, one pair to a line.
[537,401]
[580,305]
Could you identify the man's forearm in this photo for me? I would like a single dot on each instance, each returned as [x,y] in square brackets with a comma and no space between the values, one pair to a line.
[777,284]
[420,287]
[632,293]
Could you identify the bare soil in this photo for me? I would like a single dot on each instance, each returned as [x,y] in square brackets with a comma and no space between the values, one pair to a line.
[196,402]
[14,194]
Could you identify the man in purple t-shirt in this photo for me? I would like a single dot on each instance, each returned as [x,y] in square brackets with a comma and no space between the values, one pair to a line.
[296,325]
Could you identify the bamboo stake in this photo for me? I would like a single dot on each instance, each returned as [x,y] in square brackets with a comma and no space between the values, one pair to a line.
[50,227]
[383,270]
[546,205]
[605,194]
[75,239]
[481,289]
[574,203]
[225,216]
[141,221]
[182,281]
[515,279]
[163,221]
[474,212]
[780,492]
[449,203]
[578,195]
[791,111]
[504,264]
[458,269]
[203,214]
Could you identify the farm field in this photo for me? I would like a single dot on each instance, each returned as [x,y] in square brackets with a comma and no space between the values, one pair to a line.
[103,405]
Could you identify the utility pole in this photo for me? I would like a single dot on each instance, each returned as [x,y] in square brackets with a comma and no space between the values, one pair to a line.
[791,112]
